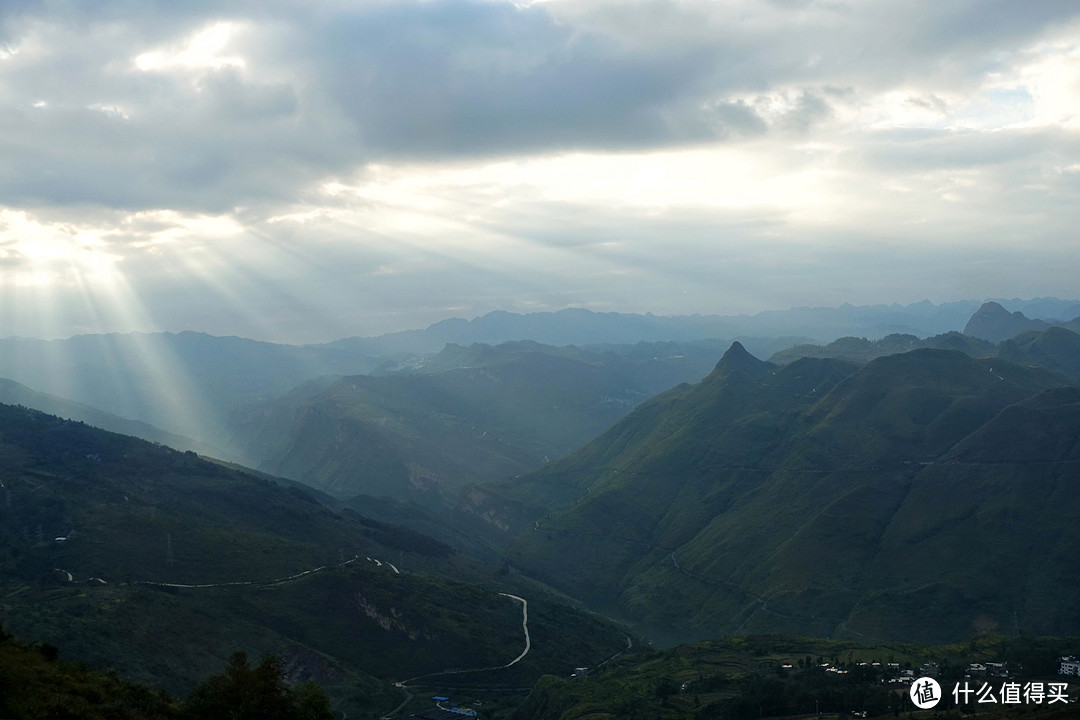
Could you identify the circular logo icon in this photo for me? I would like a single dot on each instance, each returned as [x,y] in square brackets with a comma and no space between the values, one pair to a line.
[925,693]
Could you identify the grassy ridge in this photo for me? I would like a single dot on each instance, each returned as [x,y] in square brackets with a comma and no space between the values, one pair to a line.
[821,498]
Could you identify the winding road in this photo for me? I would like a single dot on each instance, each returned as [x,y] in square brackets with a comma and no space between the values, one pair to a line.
[403,684]
[261,583]
[524,626]
[528,646]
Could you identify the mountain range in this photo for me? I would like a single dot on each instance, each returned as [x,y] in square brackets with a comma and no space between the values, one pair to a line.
[475,414]
[577,326]
[925,495]
[877,488]
[195,385]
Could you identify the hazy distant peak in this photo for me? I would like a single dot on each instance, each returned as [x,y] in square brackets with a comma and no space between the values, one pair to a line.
[994,323]
[996,311]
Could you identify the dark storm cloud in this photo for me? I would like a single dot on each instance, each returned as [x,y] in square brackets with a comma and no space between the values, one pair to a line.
[736,117]
[486,78]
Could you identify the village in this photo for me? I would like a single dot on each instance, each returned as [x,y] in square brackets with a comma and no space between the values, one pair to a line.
[987,682]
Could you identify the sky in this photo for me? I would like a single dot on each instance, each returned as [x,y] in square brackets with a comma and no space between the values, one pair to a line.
[303,171]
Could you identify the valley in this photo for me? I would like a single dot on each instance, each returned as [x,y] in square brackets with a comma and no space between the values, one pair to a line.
[466,522]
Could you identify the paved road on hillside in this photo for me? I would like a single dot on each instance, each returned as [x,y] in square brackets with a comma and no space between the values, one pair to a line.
[524,626]
[528,646]
[261,583]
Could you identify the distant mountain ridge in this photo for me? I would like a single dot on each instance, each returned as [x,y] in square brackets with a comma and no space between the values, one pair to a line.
[1028,342]
[577,326]
[197,385]
[860,350]
[13,393]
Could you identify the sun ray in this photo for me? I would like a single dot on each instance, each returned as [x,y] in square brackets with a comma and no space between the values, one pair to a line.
[67,277]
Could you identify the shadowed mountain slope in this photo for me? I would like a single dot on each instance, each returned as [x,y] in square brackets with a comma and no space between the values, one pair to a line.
[1055,348]
[861,350]
[500,411]
[13,393]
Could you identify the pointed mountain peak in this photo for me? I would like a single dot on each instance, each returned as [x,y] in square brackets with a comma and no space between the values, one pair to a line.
[738,358]
[736,351]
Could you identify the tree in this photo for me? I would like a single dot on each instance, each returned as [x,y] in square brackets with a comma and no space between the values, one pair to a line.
[311,702]
[666,689]
[260,693]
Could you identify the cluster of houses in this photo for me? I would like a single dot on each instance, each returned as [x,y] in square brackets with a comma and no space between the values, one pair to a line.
[439,712]
[990,669]
[896,675]
[1068,665]
[891,670]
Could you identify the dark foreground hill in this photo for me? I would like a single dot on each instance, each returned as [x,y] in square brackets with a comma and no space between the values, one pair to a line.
[925,496]
[36,683]
[161,564]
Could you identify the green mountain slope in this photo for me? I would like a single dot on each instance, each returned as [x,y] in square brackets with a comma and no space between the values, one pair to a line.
[161,564]
[1056,349]
[822,499]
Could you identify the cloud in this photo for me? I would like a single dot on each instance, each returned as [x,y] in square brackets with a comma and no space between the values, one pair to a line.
[435,79]
[412,158]
[211,106]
